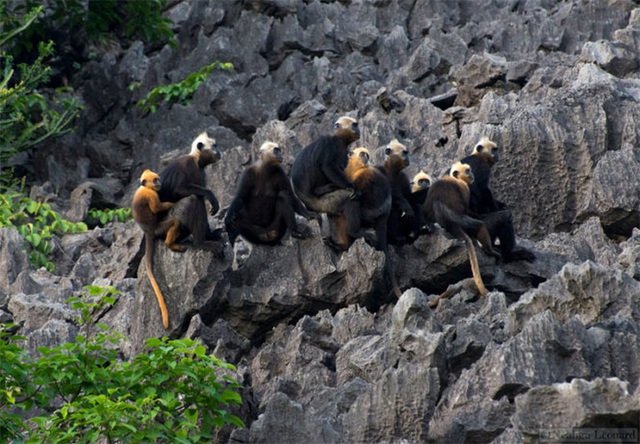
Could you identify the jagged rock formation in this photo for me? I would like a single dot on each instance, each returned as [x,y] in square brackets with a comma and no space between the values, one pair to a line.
[325,352]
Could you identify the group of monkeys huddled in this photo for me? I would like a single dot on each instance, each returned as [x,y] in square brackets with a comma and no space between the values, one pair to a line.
[359,199]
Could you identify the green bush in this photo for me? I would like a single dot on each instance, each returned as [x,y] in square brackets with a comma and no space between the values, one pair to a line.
[180,92]
[102,217]
[37,223]
[95,21]
[27,117]
[171,392]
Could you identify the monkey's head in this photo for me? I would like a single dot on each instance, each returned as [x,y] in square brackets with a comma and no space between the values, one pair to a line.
[205,150]
[149,179]
[462,171]
[271,153]
[347,129]
[396,155]
[360,156]
[487,147]
[421,181]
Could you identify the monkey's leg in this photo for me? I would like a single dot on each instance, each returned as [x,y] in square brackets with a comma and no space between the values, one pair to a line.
[170,228]
[484,238]
[500,226]
[285,211]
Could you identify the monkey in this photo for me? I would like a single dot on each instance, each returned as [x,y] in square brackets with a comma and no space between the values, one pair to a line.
[374,205]
[495,214]
[264,207]
[419,188]
[448,204]
[184,177]
[403,226]
[318,179]
[485,155]
[146,206]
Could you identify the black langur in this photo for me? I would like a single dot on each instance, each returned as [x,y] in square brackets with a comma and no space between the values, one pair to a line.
[403,225]
[374,204]
[184,177]
[318,178]
[420,185]
[265,206]
[484,157]
[495,214]
[145,208]
[448,205]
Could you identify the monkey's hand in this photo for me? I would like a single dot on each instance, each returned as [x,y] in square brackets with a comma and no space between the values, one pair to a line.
[355,193]
[215,206]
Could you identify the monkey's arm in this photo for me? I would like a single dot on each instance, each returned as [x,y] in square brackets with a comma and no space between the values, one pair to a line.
[399,201]
[242,195]
[197,190]
[156,206]
[336,176]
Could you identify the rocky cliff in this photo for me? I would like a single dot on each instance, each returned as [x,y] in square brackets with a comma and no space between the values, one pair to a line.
[325,353]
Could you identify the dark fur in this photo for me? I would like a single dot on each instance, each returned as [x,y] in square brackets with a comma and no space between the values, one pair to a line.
[448,204]
[374,203]
[403,226]
[183,177]
[263,209]
[495,214]
[318,177]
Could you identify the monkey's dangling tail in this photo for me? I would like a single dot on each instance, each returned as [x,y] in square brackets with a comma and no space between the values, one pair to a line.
[475,269]
[156,288]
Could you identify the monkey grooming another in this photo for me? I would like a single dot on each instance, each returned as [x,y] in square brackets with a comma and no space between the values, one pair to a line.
[265,206]
[145,208]
[318,179]
[374,205]
[495,214]
[185,176]
[448,205]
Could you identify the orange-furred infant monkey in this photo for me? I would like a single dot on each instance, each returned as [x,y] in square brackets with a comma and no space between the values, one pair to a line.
[145,207]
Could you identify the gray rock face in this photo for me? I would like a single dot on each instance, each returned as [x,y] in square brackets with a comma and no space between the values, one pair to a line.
[325,352]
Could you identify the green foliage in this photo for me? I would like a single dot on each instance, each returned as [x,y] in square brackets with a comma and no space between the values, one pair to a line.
[96,20]
[181,92]
[26,116]
[102,217]
[171,392]
[37,223]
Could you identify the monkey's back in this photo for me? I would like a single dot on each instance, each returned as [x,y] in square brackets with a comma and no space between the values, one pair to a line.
[176,177]
[309,169]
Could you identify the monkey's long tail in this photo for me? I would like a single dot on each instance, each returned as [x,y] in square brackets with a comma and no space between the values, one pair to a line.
[156,288]
[475,269]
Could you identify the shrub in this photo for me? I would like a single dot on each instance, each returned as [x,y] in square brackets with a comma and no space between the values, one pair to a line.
[180,92]
[172,392]
[26,116]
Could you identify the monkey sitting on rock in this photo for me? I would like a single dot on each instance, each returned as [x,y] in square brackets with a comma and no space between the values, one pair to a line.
[495,214]
[265,206]
[447,204]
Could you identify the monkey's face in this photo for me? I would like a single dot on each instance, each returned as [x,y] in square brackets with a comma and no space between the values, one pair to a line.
[421,181]
[462,171]
[397,153]
[347,128]
[271,152]
[361,155]
[205,150]
[150,179]
[487,147]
